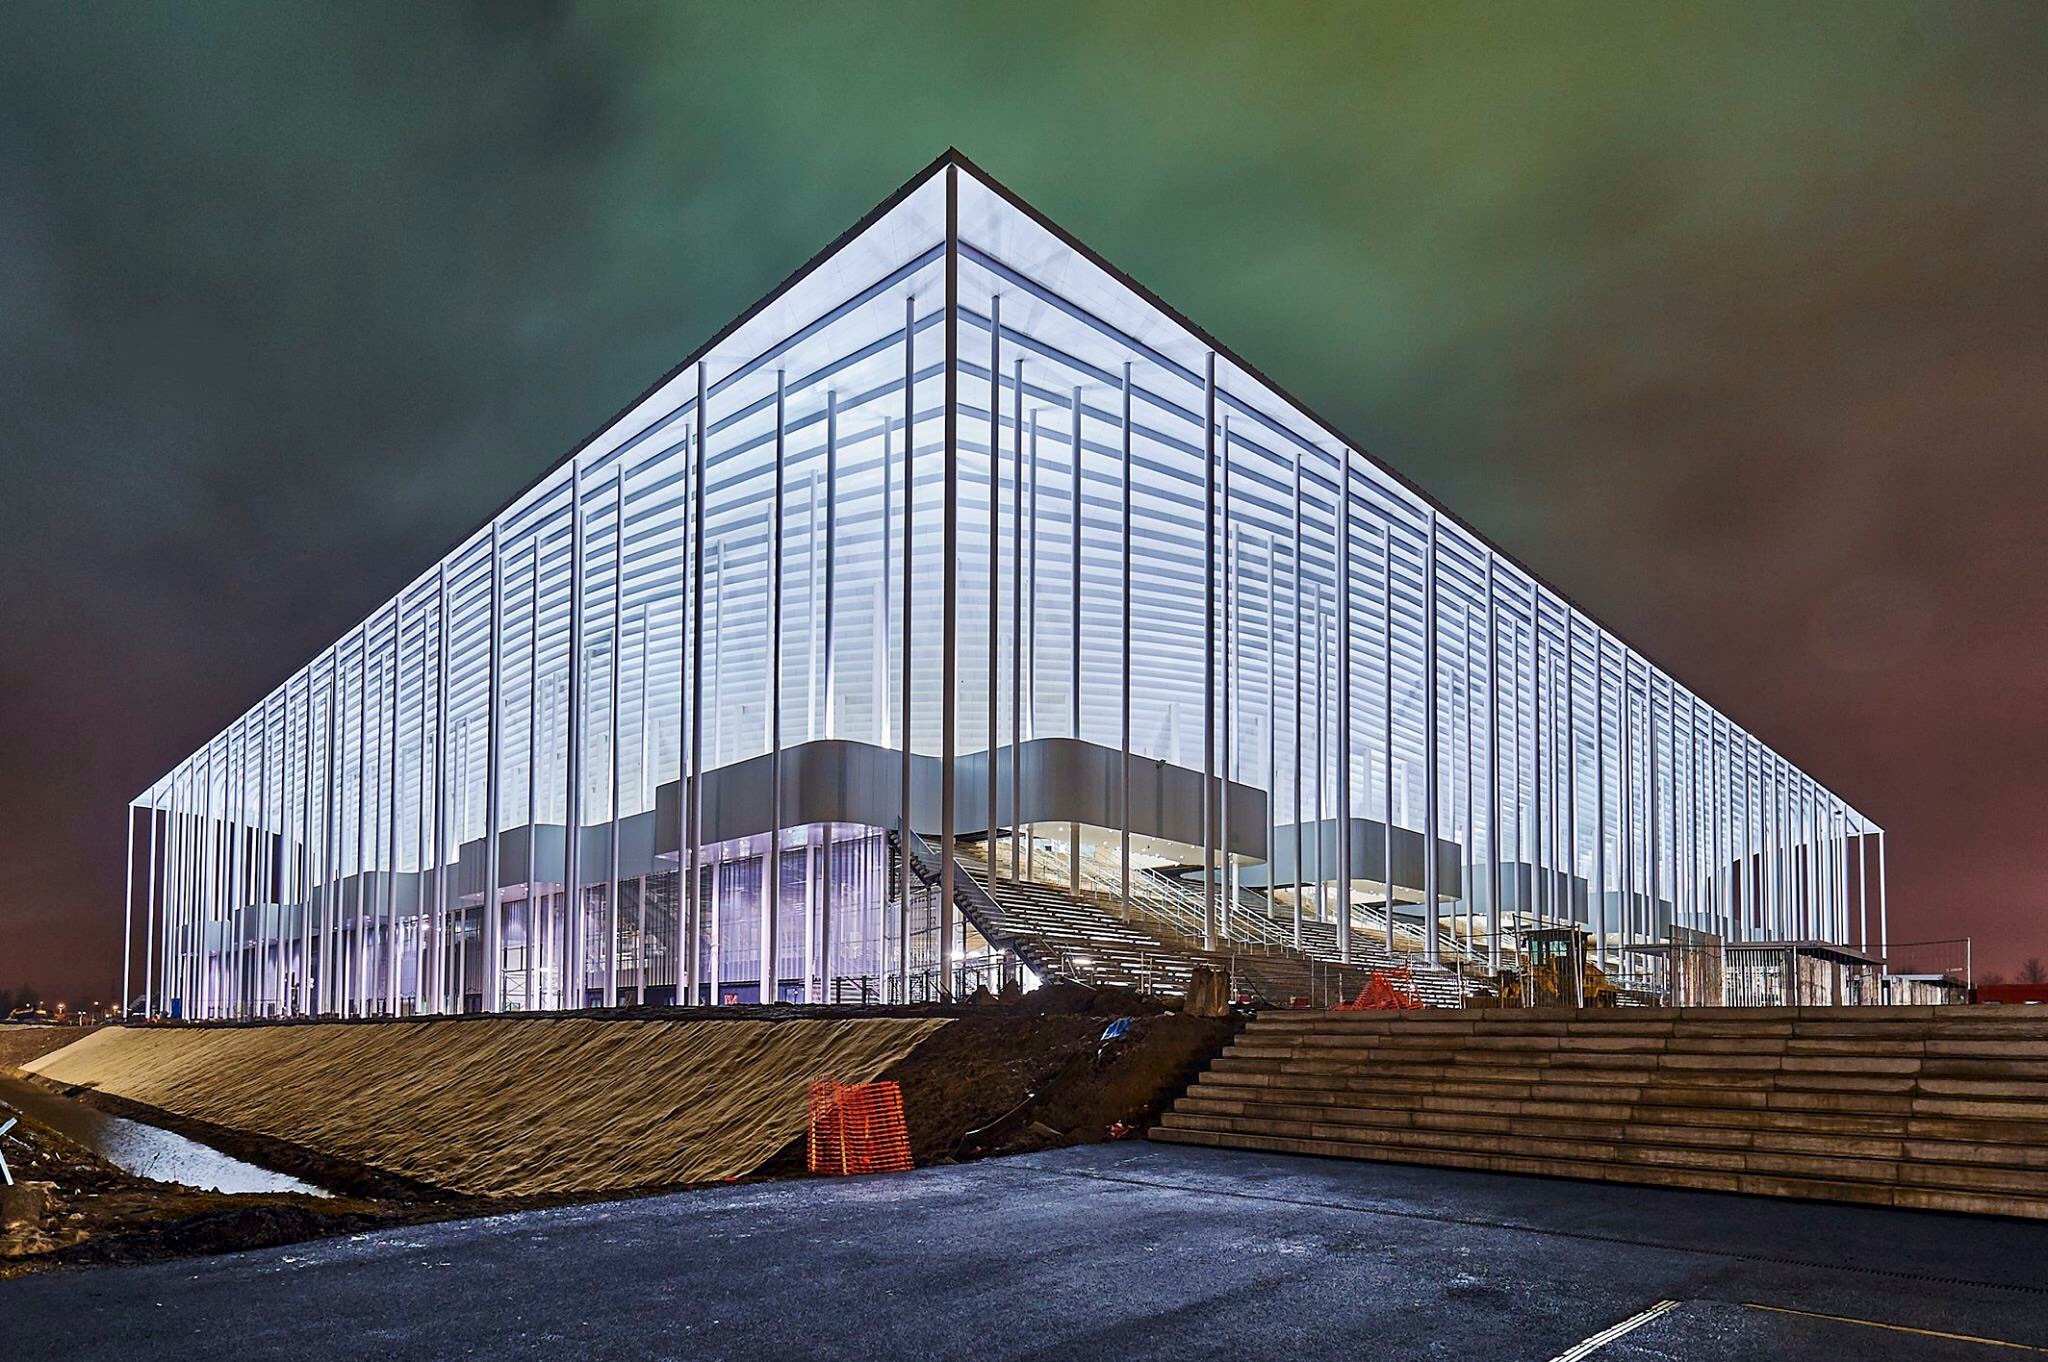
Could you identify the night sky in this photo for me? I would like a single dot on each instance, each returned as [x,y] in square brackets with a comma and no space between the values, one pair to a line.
[1732,320]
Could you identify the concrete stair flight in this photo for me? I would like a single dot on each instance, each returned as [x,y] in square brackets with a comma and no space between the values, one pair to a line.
[1933,1108]
[1081,936]
[1435,985]
[1061,934]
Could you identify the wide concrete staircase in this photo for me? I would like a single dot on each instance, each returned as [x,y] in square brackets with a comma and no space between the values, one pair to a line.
[1434,985]
[1085,937]
[1935,1108]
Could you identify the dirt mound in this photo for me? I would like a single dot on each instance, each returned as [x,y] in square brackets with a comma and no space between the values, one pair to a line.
[501,1106]
[520,1101]
[1065,1064]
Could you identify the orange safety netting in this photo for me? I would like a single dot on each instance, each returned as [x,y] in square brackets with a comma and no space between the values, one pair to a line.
[857,1128]
[1385,990]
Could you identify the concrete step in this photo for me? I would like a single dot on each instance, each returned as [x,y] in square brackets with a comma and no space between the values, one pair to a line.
[2018,1168]
[1821,1189]
[1579,1141]
[1894,1106]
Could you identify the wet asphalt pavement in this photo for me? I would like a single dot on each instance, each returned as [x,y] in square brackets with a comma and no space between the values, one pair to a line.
[1109,1251]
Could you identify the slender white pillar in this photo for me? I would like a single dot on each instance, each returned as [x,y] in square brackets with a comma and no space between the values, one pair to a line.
[995,563]
[1430,742]
[908,877]
[1123,652]
[1386,727]
[771,865]
[695,955]
[613,885]
[1209,791]
[128,912]
[949,569]
[1343,716]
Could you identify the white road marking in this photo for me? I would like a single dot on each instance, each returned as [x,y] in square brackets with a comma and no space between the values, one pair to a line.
[1584,1347]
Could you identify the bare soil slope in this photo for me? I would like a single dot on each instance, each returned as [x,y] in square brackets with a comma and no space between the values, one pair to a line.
[502,1106]
[20,1044]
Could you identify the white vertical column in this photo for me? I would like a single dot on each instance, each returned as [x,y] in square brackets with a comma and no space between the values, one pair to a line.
[273,846]
[494,951]
[446,840]
[1884,938]
[612,884]
[771,863]
[533,913]
[336,734]
[1343,822]
[1124,655]
[209,897]
[694,795]
[949,570]
[907,878]
[995,556]
[1074,617]
[1429,733]
[128,912]
[826,903]
[358,946]
[419,902]
[1209,792]
[715,952]
[173,848]
[390,998]
[1862,888]
[1655,810]
[149,914]
[1493,861]
[1386,723]
[1297,593]
[686,748]
[1571,767]
[576,971]
[1272,675]
[303,1001]
[1017,594]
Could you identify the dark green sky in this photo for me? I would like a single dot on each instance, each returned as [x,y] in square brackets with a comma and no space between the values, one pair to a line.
[1728,318]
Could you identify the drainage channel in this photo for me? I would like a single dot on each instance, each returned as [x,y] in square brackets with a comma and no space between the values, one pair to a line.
[145,1150]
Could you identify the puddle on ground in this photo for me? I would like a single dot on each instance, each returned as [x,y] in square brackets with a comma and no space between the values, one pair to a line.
[142,1149]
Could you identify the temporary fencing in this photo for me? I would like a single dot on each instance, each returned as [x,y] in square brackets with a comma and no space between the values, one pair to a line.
[857,1128]
[1385,990]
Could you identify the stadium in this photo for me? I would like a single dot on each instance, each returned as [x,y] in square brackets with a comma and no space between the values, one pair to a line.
[963,617]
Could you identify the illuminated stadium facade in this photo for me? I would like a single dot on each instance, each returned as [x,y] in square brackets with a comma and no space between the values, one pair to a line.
[960,532]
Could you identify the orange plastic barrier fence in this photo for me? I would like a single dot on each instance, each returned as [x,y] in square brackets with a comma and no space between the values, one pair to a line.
[1385,990]
[857,1128]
